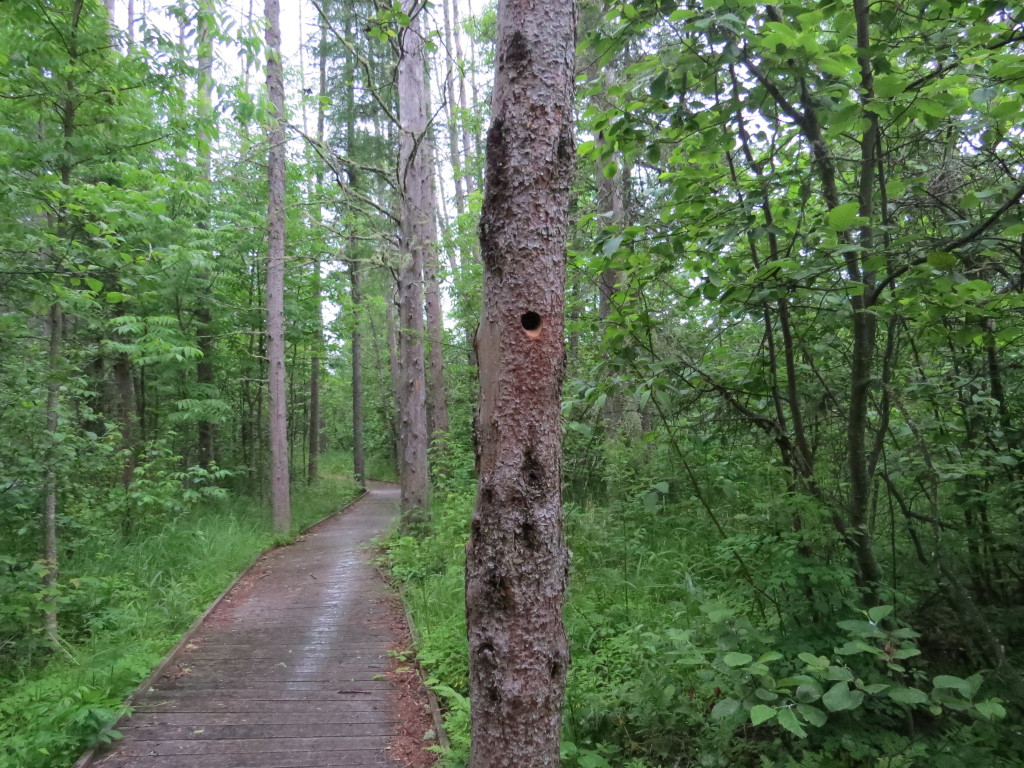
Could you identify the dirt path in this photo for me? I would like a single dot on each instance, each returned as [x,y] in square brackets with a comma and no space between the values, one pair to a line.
[292,669]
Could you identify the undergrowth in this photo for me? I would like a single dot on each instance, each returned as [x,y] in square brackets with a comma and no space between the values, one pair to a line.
[692,648]
[125,601]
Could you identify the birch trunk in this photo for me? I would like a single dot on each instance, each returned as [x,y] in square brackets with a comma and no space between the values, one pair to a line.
[516,560]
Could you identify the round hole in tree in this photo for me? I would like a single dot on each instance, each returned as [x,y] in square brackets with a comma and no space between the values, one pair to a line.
[531,323]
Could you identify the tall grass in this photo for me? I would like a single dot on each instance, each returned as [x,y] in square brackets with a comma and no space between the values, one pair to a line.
[129,599]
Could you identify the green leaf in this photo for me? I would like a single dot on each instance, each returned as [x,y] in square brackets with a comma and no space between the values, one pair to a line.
[990,709]
[661,487]
[839,698]
[908,696]
[808,692]
[787,719]
[817,662]
[812,715]
[94,284]
[611,245]
[888,86]
[906,653]
[735,659]
[844,216]
[941,260]
[932,108]
[724,708]
[879,612]
[952,682]
[759,713]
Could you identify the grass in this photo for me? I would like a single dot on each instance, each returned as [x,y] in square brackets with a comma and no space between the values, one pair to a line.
[130,599]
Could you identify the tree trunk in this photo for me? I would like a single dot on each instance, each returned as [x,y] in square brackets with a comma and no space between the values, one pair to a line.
[516,561]
[206,431]
[55,326]
[280,502]
[453,121]
[467,149]
[358,458]
[418,237]
[394,361]
[313,467]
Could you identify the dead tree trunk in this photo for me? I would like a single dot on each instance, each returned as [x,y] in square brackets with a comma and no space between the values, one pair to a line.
[516,561]
[280,501]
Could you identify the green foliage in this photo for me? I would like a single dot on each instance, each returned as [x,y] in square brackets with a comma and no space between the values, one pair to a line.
[123,603]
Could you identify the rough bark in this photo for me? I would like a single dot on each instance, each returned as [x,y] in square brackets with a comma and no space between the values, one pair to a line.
[516,561]
[358,454]
[279,492]
[418,235]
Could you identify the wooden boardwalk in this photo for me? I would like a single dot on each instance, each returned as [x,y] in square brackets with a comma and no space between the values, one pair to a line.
[289,670]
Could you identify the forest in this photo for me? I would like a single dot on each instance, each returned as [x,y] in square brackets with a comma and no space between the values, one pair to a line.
[236,284]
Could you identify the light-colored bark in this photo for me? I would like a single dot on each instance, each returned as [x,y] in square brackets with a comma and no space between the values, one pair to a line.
[418,237]
[467,149]
[280,501]
[453,122]
[516,561]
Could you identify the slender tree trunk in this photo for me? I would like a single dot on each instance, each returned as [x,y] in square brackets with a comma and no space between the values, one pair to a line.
[453,122]
[206,430]
[55,326]
[418,237]
[358,458]
[395,363]
[280,501]
[516,560]
[131,23]
[313,468]
[467,147]
[124,382]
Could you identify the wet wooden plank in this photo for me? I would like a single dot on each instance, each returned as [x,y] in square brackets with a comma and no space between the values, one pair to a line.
[322,716]
[287,672]
[335,759]
[272,703]
[280,743]
[248,731]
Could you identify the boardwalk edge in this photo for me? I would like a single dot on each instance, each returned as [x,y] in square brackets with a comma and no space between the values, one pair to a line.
[90,753]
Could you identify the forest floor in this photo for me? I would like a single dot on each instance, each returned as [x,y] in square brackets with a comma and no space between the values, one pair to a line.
[299,666]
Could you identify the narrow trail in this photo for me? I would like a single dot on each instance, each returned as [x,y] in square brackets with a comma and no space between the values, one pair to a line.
[291,668]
